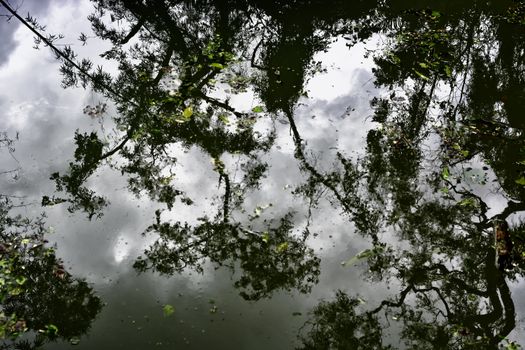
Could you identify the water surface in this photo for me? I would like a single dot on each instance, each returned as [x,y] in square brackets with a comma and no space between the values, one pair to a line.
[254,175]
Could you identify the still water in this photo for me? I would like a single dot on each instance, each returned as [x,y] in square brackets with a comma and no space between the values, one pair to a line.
[262,175]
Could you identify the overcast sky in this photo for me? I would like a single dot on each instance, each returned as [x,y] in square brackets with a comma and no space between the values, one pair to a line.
[8,25]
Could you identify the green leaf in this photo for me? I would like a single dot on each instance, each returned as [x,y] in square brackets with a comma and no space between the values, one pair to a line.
[467,201]
[282,247]
[217,65]
[445,173]
[21,280]
[521,181]
[51,329]
[423,65]
[257,109]
[224,118]
[436,14]
[266,237]
[168,310]
[448,71]
[365,254]
[421,75]
[15,291]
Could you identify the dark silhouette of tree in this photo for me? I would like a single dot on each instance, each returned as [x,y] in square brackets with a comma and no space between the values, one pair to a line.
[270,260]
[416,183]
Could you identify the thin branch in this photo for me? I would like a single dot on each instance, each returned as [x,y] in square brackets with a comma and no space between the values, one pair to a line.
[116,149]
[227,195]
[221,104]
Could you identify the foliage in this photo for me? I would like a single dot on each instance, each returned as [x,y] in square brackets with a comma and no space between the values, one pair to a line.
[270,260]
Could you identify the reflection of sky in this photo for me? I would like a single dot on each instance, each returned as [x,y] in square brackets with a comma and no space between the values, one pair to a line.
[9,25]
[33,104]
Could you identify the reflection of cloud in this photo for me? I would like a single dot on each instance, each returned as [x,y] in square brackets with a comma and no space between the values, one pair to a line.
[7,44]
[8,28]
[120,249]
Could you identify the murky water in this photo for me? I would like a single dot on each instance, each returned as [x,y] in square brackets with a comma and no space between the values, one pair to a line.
[255,175]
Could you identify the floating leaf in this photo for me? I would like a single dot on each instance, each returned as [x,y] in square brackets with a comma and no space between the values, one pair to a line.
[521,181]
[217,65]
[188,112]
[51,329]
[448,71]
[282,247]
[421,75]
[15,291]
[74,341]
[467,201]
[257,109]
[218,165]
[365,254]
[224,118]
[445,173]
[168,310]
[259,209]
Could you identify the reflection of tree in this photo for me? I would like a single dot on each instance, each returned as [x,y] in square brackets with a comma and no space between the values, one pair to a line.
[454,75]
[37,294]
[39,300]
[270,260]
[335,325]
[417,182]
[171,57]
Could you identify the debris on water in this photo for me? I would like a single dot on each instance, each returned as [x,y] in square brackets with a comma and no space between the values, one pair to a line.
[74,341]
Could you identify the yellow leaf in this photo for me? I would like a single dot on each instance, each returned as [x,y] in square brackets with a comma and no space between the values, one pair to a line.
[188,112]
